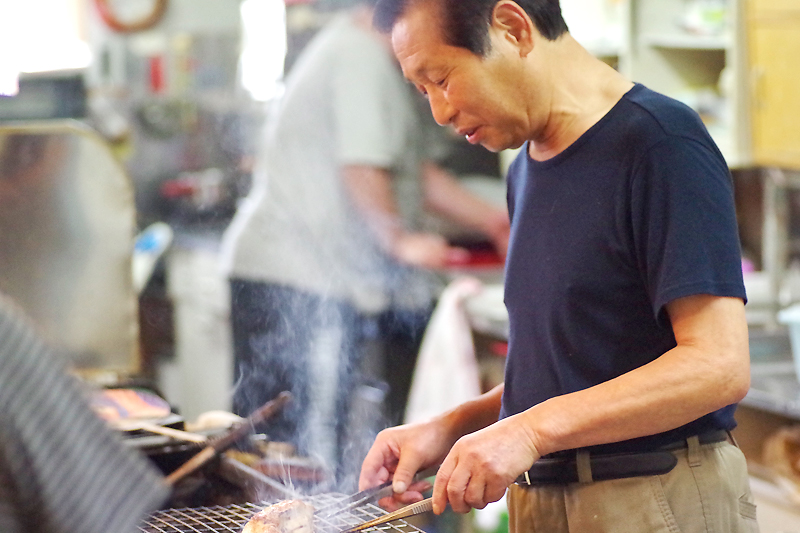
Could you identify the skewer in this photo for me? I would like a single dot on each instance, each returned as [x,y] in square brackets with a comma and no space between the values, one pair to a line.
[177,434]
[222,443]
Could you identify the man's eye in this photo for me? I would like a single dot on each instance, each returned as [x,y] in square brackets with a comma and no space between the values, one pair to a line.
[441,83]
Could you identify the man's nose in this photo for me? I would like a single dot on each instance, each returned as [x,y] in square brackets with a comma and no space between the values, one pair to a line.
[443,112]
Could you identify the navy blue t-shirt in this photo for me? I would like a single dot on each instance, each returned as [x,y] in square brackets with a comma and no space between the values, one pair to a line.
[637,212]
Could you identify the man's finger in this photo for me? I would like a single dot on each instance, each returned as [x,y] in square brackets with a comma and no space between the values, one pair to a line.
[404,474]
[395,502]
[457,486]
[474,491]
[440,485]
[374,470]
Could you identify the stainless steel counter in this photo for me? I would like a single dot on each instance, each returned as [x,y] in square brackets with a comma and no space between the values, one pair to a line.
[773,386]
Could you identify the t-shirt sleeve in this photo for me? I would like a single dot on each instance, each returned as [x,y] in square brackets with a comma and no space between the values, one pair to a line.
[61,468]
[684,223]
[364,113]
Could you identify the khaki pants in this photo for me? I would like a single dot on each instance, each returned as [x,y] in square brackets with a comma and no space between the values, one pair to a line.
[707,492]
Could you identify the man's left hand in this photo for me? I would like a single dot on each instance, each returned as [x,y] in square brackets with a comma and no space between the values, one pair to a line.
[482,465]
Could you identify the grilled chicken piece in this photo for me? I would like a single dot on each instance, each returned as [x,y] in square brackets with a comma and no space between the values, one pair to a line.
[288,516]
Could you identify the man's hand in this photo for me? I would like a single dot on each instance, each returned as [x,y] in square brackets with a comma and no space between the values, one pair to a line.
[398,454]
[482,465]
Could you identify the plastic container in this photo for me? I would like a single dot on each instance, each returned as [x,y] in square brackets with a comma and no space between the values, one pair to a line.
[150,244]
[791,317]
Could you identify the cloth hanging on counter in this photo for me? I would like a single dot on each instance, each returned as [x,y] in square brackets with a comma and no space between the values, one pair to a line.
[446,373]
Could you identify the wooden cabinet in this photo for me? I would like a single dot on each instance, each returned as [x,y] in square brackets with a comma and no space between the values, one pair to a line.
[738,66]
[774,6]
[773,37]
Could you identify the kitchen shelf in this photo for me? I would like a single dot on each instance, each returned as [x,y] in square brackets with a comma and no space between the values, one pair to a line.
[686,41]
[695,68]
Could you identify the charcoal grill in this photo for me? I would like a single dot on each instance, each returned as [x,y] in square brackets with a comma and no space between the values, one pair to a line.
[232,518]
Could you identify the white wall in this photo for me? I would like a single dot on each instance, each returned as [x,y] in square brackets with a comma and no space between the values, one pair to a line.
[596,24]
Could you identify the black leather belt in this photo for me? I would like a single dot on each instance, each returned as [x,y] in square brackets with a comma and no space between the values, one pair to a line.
[601,467]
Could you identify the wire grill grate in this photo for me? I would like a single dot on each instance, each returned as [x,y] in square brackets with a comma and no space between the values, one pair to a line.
[232,518]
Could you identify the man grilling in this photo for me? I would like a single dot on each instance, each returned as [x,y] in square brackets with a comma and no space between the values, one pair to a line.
[628,346]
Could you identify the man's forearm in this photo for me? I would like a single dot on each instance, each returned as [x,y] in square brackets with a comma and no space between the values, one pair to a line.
[689,381]
[475,414]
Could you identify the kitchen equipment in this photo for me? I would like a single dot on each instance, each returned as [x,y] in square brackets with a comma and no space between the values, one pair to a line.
[129,404]
[409,510]
[67,220]
[373,494]
[791,317]
[234,434]
[149,246]
[46,96]
[232,518]
[360,498]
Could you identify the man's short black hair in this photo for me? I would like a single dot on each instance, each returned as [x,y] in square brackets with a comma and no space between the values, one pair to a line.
[466,22]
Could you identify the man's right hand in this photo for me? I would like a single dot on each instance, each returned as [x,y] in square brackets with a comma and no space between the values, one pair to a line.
[398,453]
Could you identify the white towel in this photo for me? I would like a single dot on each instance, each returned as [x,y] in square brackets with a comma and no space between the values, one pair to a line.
[446,373]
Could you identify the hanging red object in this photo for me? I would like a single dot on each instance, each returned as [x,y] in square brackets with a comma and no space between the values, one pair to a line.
[156,64]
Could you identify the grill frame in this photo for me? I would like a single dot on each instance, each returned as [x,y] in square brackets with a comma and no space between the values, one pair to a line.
[232,518]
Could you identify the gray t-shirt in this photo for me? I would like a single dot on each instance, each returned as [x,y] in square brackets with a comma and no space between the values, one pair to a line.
[346,102]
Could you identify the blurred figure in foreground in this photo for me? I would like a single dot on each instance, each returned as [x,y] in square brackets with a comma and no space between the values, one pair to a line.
[62,470]
[328,248]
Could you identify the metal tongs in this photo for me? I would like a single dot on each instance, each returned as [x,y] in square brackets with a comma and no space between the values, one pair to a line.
[375,493]
[410,510]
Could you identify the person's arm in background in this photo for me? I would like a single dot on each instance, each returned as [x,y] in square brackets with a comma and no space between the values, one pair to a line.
[370,190]
[446,196]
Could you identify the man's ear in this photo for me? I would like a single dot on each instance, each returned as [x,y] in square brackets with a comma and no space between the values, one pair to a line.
[515,25]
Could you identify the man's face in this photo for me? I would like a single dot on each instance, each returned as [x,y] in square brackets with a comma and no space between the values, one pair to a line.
[479,97]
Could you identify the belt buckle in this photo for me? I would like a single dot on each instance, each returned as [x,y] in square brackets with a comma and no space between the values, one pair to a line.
[527,478]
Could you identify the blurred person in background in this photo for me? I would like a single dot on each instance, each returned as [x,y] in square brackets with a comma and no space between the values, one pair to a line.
[62,470]
[328,250]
